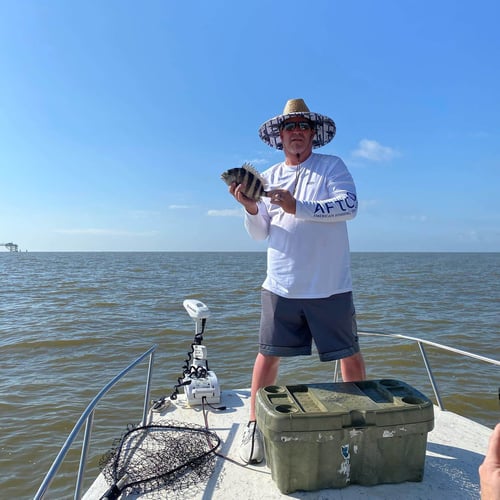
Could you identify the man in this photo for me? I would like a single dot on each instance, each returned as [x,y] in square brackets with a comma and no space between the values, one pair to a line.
[307,293]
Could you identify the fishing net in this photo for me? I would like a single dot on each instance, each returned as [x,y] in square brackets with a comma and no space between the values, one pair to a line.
[171,456]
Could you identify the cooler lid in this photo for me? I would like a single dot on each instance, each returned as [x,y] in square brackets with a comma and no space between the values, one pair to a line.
[332,406]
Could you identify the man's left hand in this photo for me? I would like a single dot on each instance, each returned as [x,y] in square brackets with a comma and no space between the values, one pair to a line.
[283,199]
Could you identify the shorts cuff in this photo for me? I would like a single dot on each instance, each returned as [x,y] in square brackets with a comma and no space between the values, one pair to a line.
[336,355]
[281,351]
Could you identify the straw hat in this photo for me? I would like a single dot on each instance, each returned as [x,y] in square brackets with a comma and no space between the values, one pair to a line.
[269,131]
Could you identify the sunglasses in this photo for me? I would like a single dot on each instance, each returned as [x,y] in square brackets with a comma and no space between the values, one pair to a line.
[289,126]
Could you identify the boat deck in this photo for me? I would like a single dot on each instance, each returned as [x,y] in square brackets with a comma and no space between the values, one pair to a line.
[455,449]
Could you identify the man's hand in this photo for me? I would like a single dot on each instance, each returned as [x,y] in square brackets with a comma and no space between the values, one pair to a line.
[489,470]
[284,199]
[237,191]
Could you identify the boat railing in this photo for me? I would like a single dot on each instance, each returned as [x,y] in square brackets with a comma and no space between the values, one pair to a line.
[87,419]
[421,345]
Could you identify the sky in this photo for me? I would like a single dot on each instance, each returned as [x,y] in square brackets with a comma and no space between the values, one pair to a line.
[118,117]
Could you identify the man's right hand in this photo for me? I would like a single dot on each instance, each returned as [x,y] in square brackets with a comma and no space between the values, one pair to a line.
[237,191]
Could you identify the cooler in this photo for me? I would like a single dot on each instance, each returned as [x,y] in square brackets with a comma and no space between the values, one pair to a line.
[330,435]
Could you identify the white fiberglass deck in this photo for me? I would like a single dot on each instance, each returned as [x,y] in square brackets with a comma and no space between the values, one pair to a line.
[455,448]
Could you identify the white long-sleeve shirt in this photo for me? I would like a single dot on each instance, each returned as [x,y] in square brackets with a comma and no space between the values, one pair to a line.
[308,253]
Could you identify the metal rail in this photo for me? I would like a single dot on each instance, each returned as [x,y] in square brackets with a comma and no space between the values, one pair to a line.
[87,418]
[420,342]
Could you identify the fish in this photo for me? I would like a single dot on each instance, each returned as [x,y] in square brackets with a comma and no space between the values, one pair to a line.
[246,174]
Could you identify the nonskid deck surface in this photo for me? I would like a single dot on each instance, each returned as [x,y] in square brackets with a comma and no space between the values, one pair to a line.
[455,449]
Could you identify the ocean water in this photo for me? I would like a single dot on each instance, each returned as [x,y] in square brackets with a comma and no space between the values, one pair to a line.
[69,322]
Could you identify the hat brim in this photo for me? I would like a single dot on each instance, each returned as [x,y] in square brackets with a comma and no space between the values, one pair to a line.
[325,127]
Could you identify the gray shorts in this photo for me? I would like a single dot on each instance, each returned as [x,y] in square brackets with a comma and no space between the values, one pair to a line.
[288,326]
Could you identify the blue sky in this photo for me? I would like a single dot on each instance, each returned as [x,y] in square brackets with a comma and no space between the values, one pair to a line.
[118,117]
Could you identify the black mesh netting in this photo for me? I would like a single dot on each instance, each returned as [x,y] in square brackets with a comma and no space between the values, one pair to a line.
[172,456]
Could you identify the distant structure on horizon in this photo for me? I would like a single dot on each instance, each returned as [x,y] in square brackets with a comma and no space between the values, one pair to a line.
[11,247]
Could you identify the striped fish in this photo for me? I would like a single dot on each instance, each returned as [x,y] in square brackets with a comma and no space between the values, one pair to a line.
[246,174]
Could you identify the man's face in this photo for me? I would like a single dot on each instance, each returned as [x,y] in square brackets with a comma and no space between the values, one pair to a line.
[297,138]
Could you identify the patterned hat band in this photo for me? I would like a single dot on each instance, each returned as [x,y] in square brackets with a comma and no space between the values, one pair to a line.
[325,128]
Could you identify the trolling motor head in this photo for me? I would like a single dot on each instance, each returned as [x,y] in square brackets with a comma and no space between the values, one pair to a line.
[199,312]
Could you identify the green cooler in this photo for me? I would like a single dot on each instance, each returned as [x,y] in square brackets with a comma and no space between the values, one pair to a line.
[319,436]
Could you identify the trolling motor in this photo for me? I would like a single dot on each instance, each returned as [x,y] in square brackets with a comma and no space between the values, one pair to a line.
[199,382]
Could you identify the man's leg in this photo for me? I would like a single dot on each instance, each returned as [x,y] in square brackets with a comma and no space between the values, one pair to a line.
[353,368]
[265,372]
